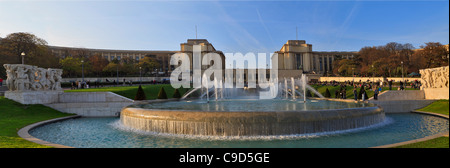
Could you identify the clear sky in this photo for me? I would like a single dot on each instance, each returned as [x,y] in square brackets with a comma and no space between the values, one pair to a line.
[231,26]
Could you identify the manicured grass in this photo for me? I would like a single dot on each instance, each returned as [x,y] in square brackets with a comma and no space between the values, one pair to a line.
[151,91]
[440,107]
[441,142]
[14,116]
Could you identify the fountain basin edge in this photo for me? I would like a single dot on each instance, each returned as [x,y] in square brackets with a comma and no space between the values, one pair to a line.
[253,123]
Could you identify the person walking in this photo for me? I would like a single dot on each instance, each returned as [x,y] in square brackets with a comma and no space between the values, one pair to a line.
[1,82]
[344,93]
[355,94]
[363,95]
[390,84]
[401,85]
[375,93]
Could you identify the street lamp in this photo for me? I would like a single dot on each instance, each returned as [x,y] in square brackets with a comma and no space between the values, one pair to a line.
[82,71]
[23,55]
[117,70]
[140,75]
[373,75]
[353,74]
[402,74]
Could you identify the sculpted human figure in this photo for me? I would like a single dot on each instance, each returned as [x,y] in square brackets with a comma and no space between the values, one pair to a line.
[425,74]
[34,78]
[435,77]
[27,77]
[51,78]
[430,78]
[10,77]
[22,81]
[43,81]
[58,78]
[444,74]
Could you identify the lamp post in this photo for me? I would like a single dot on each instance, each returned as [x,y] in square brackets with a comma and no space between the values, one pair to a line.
[82,70]
[23,56]
[353,74]
[373,75]
[140,75]
[117,70]
[402,73]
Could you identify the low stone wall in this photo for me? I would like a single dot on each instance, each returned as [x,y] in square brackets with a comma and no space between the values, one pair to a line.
[91,104]
[33,97]
[401,95]
[436,93]
[81,97]
[398,101]
[364,79]
[111,79]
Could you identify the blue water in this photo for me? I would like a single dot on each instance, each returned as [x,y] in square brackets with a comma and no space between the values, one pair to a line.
[107,133]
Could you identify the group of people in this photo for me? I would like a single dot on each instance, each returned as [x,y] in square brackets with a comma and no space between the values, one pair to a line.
[341,93]
[85,84]
[80,84]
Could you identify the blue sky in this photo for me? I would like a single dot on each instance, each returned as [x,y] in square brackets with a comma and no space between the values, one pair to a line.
[231,26]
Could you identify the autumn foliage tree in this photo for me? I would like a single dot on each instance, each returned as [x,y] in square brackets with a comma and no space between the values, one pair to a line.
[35,49]
[98,63]
[385,60]
[432,55]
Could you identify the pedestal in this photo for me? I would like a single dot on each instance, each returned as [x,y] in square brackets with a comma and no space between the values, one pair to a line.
[34,97]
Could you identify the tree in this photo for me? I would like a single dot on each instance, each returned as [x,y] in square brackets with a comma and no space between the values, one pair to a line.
[148,64]
[98,63]
[111,68]
[432,55]
[344,67]
[36,51]
[16,43]
[71,66]
[385,59]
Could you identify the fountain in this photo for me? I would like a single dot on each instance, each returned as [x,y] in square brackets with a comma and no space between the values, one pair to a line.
[235,112]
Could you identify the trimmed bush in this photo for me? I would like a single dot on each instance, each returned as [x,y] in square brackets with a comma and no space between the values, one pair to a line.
[140,95]
[308,93]
[162,93]
[176,94]
[327,93]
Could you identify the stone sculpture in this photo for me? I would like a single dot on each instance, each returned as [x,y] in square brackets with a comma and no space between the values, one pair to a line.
[32,78]
[435,77]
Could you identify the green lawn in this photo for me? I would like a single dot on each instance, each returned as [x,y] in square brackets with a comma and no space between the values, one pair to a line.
[441,142]
[151,91]
[440,107]
[14,116]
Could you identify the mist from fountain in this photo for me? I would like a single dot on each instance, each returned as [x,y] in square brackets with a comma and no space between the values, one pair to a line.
[284,91]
